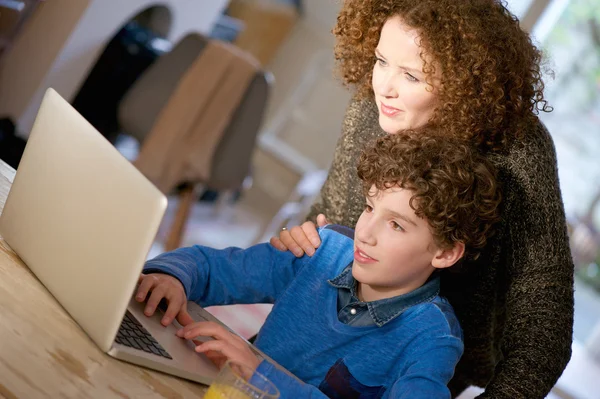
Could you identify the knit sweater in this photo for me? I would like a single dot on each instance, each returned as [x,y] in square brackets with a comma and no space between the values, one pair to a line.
[515,303]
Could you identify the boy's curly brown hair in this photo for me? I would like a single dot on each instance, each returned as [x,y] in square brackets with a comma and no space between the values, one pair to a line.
[454,186]
[491,87]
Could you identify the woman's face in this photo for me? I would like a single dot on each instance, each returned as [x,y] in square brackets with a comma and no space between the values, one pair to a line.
[403,97]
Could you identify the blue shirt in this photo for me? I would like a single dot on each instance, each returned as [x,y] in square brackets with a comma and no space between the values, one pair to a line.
[354,312]
[412,355]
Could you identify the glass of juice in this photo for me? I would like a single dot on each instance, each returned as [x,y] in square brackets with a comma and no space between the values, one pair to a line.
[236,381]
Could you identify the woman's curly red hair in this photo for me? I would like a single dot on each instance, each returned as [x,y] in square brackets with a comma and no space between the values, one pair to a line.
[491,87]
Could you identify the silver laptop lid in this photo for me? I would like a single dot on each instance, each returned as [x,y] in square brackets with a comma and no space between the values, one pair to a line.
[81,217]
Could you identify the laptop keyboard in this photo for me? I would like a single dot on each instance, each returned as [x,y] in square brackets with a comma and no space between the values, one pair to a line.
[133,334]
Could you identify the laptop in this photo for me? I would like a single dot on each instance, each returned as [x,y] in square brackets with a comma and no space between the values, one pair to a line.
[83,219]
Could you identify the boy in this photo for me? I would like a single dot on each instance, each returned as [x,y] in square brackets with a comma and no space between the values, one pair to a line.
[361,318]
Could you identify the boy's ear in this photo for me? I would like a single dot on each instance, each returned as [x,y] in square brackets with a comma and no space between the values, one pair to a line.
[447,257]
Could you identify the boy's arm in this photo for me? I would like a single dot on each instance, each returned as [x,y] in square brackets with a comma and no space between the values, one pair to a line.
[430,369]
[258,274]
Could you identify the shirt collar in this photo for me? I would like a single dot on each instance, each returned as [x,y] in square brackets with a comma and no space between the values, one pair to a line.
[384,310]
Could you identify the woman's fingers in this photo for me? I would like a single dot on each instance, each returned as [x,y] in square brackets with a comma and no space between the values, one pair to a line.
[276,242]
[299,235]
[322,220]
[287,238]
[300,239]
[310,230]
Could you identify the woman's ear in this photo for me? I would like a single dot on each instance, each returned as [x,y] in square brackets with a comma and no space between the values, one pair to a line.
[447,257]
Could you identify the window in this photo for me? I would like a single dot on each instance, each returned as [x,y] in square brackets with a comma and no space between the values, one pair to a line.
[569,32]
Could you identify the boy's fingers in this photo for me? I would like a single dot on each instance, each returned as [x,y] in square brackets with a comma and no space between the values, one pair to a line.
[146,283]
[207,329]
[216,357]
[311,232]
[157,294]
[216,346]
[173,309]
[184,317]
[228,349]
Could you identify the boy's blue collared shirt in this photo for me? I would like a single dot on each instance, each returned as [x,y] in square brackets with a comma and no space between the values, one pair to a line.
[353,312]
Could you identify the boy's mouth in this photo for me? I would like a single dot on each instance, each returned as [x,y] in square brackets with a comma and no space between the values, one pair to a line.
[362,257]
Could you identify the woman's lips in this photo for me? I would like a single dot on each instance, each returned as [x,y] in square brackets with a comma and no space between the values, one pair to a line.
[389,111]
[362,257]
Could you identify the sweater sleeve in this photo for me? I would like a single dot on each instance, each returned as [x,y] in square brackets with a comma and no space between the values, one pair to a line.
[539,316]
[258,274]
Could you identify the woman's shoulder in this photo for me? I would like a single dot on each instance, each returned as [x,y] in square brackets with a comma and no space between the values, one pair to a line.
[361,121]
[528,166]
[533,151]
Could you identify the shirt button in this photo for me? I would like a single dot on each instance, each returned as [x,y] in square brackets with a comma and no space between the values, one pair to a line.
[352,311]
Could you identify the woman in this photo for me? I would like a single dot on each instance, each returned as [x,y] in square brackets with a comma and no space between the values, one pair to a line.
[468,67]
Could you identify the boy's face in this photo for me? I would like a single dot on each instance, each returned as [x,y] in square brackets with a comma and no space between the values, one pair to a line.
[394,249]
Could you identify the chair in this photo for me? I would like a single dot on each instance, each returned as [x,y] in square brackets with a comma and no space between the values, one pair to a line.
[230,157]
[13,15]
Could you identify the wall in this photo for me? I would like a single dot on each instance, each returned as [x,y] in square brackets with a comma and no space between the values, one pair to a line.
[62,41]
[303,122]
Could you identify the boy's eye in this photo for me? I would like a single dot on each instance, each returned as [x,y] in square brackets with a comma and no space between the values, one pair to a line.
[368,208]
[396,226]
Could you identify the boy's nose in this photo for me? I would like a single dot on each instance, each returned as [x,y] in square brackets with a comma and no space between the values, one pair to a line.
[365,235]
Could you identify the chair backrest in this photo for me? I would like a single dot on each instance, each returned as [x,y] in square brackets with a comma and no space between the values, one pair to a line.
[143,102]
[233,156]
[150,94]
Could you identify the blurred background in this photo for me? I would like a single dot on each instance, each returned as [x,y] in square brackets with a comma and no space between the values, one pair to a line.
[119,61]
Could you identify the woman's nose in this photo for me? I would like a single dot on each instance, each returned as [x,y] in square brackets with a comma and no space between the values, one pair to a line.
[386,87]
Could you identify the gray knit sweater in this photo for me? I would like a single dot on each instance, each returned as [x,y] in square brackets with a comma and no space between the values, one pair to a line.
[515,303]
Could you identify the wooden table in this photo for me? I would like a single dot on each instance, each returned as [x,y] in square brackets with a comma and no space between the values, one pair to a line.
[44,353]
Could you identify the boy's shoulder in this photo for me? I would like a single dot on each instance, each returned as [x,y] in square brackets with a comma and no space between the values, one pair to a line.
[335,238]
[338,228]
[336,250]
[436,316]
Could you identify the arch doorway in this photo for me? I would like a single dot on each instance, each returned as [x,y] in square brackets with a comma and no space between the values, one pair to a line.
[135,46]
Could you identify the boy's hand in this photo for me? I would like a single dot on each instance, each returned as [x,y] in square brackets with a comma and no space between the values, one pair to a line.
[225,345]
[167,287]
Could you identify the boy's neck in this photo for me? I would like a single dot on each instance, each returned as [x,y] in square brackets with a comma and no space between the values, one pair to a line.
[367,293]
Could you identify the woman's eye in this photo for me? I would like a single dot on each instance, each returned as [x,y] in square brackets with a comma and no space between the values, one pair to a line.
[411,78]
[368,208]
[381,61]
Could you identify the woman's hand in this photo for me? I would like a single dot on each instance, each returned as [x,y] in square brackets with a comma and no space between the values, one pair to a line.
[300,239]
[225,345]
